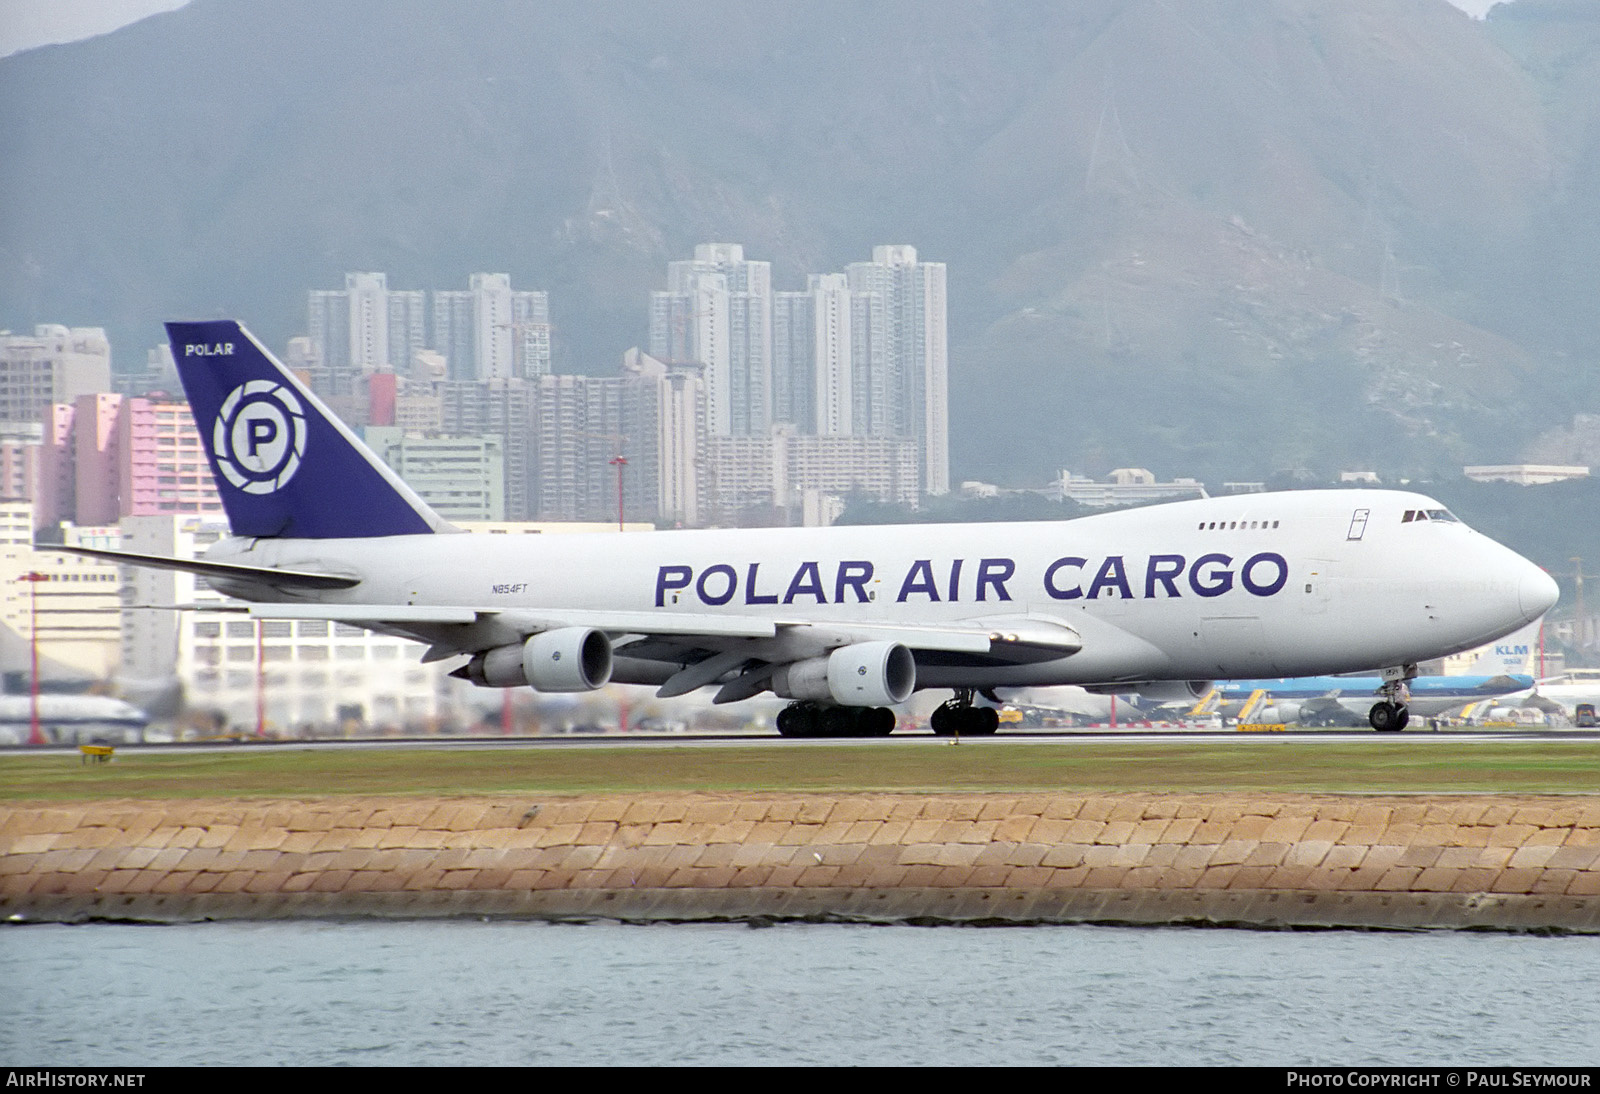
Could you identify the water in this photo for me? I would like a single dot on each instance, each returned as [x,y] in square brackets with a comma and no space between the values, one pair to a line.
[528,993]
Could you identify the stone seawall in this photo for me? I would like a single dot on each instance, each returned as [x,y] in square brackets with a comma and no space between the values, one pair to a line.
[1249,859]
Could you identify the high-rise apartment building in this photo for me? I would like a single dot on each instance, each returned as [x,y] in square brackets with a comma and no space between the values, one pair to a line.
[55,364]
[644,429]
[363,328]
[108,456]
[915,352]
[777,471]
[855,356]
[579,428]
[504,408]
[717,313]
[160,375]
[491,331]
[96,459]
[668,440]
[163,466]
[460,477]
[814,375]
[21,460]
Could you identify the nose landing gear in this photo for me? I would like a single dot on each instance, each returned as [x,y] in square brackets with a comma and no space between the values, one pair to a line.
[1390,714]
[1387,717]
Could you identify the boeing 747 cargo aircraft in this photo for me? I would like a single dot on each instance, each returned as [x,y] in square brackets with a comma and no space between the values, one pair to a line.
[845,622]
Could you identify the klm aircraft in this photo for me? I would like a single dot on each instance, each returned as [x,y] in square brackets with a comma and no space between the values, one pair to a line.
[844,622]
[1314,700]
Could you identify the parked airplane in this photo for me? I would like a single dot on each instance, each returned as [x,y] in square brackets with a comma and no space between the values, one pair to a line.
[1331,700]
[1559,695]
[72,719]
[845,622]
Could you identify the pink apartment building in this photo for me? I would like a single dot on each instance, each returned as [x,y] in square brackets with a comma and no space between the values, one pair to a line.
[113,456]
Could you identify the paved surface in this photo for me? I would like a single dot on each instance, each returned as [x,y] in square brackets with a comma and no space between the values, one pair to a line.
[1264,860]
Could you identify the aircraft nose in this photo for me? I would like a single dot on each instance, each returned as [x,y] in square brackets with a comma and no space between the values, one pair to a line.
[1537,593]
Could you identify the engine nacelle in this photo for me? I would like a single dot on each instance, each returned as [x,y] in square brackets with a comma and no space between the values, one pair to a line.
[867,674]
[569,659]
[1275,713]
[1160,691]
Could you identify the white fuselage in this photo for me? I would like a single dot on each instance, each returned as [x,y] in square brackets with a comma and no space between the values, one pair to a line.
[1278,584]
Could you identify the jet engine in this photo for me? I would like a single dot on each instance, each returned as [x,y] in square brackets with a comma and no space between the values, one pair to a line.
[1276,713]
[867,674]
[1159,691]
[569,659]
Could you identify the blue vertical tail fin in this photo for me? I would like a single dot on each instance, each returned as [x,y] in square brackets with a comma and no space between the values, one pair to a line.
[285,465]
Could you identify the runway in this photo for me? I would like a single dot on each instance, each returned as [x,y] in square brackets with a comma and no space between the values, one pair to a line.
[907,738]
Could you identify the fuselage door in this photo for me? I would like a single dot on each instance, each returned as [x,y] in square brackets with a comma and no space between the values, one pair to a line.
[1318,586]
[1358,524]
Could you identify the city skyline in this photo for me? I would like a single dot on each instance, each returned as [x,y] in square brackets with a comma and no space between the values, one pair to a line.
[722,423]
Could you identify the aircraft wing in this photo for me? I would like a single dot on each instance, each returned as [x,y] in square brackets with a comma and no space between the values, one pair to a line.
[678,651]
[689,651]
[1504,684]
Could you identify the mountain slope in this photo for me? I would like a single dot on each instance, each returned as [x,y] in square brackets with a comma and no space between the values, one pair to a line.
[1221,237]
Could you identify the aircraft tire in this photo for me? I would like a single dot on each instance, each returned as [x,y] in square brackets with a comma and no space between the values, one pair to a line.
[1388,717]
[949,721]
[877,722]
[799,720]
[838,722]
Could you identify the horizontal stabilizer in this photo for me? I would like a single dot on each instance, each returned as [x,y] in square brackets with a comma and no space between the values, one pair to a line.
[266,575]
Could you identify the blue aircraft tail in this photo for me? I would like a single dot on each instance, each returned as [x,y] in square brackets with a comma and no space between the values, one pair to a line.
[285,465]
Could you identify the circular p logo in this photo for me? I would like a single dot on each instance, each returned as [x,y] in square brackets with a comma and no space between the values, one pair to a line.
[259,436]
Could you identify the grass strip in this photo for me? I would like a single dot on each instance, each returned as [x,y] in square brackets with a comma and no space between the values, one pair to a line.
[1367,767]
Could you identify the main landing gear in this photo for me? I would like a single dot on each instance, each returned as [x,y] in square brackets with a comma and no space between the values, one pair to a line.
[808,719]
[959,717]
[1389,715]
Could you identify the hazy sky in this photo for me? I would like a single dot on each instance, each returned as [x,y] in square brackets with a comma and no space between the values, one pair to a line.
[28,23]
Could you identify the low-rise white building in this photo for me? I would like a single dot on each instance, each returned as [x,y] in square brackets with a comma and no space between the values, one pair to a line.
[1525,474]
[303,673]
[1126,486]
[75,602]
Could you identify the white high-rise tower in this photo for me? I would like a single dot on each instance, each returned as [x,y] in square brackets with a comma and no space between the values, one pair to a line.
[717,312]
[814,375]
[914,353]
[491,331]
[364,328]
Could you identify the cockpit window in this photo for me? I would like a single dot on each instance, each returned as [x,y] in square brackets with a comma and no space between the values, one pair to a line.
[1412,515]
